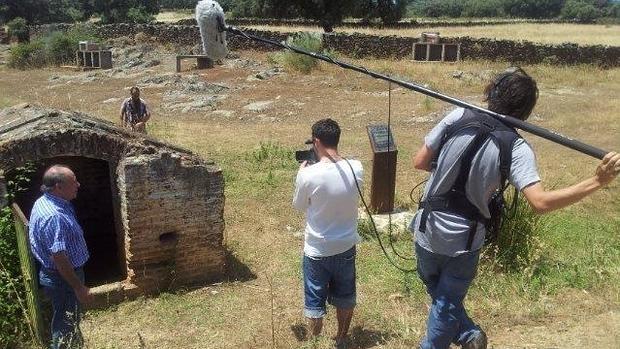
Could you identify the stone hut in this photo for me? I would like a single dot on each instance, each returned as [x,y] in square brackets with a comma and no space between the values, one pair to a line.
[152,213]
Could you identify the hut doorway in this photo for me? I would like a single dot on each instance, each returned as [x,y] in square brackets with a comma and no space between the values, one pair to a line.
[94,207]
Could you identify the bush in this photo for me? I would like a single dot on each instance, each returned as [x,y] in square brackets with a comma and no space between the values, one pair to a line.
[139,15]
[302,63]
[580,10]
[18,28]
[12,324]
[27,55]
[11,315]
[54,49]
[517,246]
[59,48]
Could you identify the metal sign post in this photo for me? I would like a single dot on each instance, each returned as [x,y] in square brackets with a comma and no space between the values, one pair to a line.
[383,168]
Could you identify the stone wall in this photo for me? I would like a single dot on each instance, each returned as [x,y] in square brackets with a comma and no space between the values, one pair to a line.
[174,219]
[360,45]
[411,24]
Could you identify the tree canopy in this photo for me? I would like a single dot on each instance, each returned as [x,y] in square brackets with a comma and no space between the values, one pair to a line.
[328,13]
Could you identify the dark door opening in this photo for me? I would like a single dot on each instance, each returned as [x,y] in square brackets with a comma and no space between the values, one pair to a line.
[95,213]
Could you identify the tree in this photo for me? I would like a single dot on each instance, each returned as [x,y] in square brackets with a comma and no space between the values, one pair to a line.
[533,8]
[42,11]
[580,10]
[391,11]
[441,8]
[482,8]
[613,10]
[327,12]
[112,11]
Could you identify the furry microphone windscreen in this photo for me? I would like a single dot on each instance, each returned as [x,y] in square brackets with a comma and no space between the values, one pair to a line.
[210,18]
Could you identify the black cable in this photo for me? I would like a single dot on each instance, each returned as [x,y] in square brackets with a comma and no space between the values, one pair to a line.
[414,201]
[389,132]
[374,226]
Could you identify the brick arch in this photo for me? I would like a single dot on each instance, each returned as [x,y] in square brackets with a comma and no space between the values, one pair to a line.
[75,142]
[89,152]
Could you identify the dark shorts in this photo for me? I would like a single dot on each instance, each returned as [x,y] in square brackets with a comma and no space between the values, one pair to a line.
[330,279]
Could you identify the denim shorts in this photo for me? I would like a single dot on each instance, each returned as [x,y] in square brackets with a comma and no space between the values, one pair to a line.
[330,279]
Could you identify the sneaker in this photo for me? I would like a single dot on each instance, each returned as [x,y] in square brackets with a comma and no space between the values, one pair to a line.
[341,343]
[480,342]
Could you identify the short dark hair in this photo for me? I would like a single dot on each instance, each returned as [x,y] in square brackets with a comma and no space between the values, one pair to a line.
[52,176]
[328,131]
[134,88]
[512,93]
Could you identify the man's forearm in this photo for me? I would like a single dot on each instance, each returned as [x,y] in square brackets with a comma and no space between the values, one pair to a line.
[547,201]
[65,269]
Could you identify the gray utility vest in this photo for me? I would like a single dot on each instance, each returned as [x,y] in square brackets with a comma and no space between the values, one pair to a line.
[455,200]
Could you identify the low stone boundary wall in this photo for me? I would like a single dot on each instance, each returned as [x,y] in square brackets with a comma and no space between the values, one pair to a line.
[361,45]
[413,23]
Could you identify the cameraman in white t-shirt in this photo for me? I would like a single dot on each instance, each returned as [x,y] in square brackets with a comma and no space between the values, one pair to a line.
[328,193]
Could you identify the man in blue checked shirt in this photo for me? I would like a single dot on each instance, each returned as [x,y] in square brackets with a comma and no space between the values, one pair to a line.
[57,242]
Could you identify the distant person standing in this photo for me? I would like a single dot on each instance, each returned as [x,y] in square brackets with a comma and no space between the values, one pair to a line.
[134,112]
[57,243]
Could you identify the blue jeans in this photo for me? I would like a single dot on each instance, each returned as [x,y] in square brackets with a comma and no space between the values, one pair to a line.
[329,279]
[447,280]
[66,309]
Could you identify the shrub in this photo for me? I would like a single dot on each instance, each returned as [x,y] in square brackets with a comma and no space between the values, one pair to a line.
[59,48]
[27,55]
[302,63]
[18,28]
[12,324]
[55,48]
[517,246]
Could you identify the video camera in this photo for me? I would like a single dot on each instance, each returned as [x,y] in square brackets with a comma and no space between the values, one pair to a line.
[306,155]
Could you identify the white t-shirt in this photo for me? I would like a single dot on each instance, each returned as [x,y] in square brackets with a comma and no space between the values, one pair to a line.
[326,191]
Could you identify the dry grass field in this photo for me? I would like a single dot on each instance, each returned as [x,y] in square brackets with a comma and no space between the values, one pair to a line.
[556,33]
[594,34]
[570,299]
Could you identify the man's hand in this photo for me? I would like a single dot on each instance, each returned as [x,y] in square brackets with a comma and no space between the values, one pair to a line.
[303,164]
[546,201]
[608,169]
[84,295]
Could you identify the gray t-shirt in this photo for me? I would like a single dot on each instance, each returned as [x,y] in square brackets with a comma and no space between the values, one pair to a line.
[446,233]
